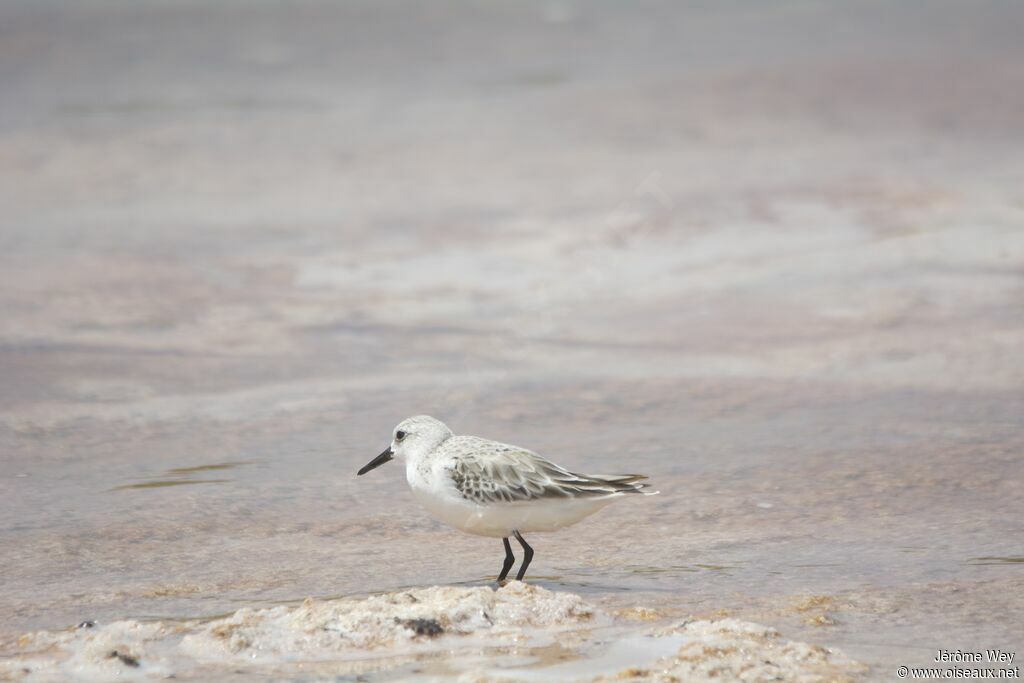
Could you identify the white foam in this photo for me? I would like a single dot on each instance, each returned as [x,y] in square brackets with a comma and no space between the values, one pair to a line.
[474,633]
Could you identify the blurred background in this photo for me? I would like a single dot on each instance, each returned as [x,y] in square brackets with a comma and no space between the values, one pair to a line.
[770,253]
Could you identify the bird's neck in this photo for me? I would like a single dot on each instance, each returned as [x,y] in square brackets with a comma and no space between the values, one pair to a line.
[419,465]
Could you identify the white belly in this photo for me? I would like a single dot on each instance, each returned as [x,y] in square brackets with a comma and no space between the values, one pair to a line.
[501,519]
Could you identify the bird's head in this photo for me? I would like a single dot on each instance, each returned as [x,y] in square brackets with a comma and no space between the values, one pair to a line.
[412,438]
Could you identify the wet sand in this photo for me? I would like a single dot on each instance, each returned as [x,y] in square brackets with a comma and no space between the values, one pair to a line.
[771,256]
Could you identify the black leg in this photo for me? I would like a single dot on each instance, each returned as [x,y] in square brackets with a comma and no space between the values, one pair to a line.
[510,559]
[527,556]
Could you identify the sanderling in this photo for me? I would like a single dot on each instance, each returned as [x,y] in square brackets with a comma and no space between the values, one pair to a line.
[493,489]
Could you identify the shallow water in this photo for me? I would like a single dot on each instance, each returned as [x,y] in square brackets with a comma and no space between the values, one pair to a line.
[784,278]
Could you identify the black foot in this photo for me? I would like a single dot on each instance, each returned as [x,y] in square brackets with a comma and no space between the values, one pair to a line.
[527,555]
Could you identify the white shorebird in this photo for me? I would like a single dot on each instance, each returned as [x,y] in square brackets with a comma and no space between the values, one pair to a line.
[493,489]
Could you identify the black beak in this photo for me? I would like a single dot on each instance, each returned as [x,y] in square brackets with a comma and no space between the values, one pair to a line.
[377,462]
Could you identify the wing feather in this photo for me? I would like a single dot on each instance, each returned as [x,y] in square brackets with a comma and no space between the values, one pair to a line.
[490,472]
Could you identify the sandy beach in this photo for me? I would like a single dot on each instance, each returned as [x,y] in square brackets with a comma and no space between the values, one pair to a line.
[771,255]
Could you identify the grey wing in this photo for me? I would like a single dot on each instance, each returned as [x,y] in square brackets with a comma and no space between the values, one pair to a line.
[491,472]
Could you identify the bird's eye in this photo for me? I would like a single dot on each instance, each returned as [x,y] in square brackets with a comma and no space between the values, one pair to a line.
[399,435]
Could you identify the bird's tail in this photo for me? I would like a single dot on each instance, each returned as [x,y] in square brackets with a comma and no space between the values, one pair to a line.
[624,483]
